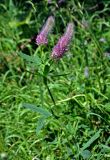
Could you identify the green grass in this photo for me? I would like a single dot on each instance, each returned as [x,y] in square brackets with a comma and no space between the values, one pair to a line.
[52,110]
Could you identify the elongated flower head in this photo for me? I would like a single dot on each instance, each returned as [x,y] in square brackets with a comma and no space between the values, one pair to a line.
[42,37]
[62,46]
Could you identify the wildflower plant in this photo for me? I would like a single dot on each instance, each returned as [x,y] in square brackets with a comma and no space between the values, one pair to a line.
[45,65]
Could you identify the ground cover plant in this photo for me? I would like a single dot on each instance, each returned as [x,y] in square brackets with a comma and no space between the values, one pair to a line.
[54,106]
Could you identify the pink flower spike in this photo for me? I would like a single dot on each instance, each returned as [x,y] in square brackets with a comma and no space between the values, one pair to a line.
[42,37]
[62,46]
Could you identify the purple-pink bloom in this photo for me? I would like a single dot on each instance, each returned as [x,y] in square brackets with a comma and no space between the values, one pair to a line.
[42,37]
[62,46]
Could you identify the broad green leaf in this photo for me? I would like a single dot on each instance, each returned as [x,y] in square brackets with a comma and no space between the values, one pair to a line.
[105,148]
[32,59]
[40,124]
[107,107]
[86,154]
[40,110]
[93,138]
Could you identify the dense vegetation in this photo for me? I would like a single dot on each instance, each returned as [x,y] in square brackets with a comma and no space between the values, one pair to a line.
[54,109]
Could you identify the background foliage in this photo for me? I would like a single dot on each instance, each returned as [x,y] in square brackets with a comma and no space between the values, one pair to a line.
[54,109]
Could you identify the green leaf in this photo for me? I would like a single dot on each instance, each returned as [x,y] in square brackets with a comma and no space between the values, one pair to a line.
[93,138]
[86,154]
[105,148]
[107,107]
[40,124]
[46,69]
[40,110]
[32,59]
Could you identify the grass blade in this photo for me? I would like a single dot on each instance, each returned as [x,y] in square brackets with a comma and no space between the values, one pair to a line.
[93,138]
